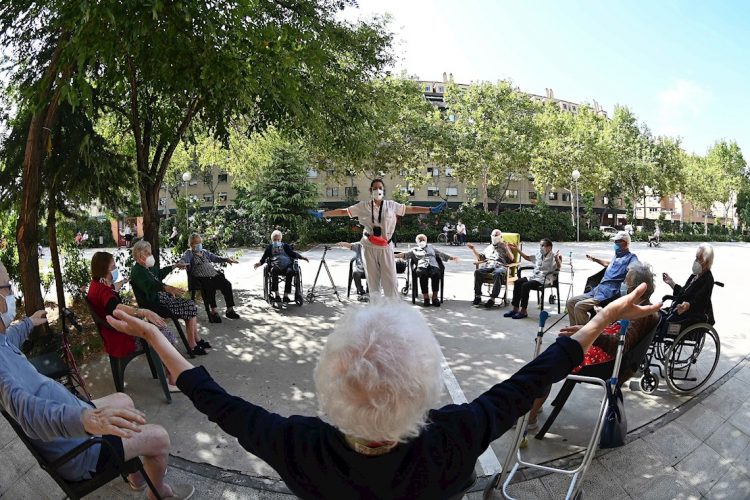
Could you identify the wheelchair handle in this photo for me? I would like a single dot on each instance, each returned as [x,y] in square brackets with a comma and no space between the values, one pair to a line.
[719,283]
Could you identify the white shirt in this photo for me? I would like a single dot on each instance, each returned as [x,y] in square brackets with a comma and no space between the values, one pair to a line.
[461,229]
[385,218]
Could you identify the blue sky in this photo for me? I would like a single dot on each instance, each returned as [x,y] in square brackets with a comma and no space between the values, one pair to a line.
[682,66]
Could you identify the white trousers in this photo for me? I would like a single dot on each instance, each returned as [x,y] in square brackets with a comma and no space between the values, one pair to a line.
[380,267]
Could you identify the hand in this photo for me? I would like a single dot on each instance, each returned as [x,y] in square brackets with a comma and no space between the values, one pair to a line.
[627,307]
[305,259]
[318,214]
[683,307]
[439,207]
[512,246]
[232,261]
[181,265]
[470,246]
[589,257]
[257,265]
[569,330]
[667,279]
[174,291]
[153,318]
[125,323]
[39,318]
[122,422]
[455,259]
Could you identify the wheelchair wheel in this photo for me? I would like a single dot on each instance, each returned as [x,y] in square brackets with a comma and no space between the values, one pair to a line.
[266,286]
[552,299]
[442,238]
[405,290]
[692,358]
[649,382]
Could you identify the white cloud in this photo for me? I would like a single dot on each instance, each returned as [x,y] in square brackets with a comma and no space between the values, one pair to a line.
[685,97]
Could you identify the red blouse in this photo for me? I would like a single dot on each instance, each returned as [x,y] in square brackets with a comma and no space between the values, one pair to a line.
[102,298]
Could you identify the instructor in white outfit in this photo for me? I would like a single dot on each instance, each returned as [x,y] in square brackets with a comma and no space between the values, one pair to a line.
[378,216]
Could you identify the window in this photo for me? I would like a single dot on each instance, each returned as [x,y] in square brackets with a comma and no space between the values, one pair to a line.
[311,172]
[330,173]
[653,210]
[532,195]
[223,177]
[162,203]
[448,172]
[574,108]
[409,191]
[440,89]
[511,194]
[552,195]
[223,196]
[332,192]
[351,192]
[208,198]
[451,191]
[433,171]
[433,191]
[193,182]
[605,200]
[208,178]
[564,106]
[566,197]
[427,88]
[472,193]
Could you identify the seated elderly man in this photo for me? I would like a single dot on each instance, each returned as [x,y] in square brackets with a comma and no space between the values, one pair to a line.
[425,257]
[201,269]
[280,257]
[545,263]
[578,307]
[57,421]
[604,348]
[378,379]
[491,262]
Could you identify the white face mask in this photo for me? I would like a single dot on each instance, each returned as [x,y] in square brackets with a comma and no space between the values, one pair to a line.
[150,261]
[697,268]
[497,238]
[9,315]
[421,243]
[377,194]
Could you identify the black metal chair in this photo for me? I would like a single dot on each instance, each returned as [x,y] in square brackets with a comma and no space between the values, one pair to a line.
[351,279]
[194,285]
[415,280]
[78,489]
[118,364]
[554,284]
[164,313]
[630,360]
[61,365]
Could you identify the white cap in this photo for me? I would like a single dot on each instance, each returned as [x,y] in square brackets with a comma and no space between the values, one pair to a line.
[622,236]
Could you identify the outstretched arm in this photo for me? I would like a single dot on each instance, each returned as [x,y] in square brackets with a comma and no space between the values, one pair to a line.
[344,244]
[337,212]
[417,210]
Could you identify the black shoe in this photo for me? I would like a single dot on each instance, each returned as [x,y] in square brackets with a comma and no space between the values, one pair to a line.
[477,300]
[232,315]
[214,318]
[198,350]
[436,302]
[202,343]
[490,303]
[426,303]
[287,299]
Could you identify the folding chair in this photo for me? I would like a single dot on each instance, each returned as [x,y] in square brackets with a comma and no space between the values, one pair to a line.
[415,279]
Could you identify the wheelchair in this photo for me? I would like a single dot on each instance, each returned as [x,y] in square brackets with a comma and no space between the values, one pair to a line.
[688,352]
[403,273]
[298,293]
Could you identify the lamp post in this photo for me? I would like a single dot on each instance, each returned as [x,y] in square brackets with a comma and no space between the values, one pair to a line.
[186,177]
[576,175]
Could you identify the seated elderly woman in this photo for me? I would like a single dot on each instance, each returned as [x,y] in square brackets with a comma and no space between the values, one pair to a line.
[692,302]
[105,300]
[151,293]
[378,379]
[604,348]
[427,267]
[280,257]
[201,269]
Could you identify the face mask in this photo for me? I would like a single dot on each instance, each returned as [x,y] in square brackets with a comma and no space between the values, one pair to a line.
[697,268]
[617,248]
[150,261]
[623,289]
[10,314]
[377,194]
[421,243]
[543,250]
[115,275]
[497,239]
[198,247]
[276,244]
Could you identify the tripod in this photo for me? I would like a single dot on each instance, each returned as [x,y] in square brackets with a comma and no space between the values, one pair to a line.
[311,294]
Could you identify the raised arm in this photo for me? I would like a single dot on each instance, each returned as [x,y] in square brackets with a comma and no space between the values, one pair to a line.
[530,258]
[417,210]
[336,212]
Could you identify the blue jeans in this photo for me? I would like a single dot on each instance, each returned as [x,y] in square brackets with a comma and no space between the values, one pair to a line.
[498,277]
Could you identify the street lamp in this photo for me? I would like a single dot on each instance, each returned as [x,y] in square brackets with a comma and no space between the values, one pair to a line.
[576,175]
[186,177]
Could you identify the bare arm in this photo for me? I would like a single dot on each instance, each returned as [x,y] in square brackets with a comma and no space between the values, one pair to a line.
[417,210]
[337,212]
[601,262]
[474,251]
[344,244]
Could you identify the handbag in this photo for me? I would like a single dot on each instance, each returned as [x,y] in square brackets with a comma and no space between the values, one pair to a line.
[615,426]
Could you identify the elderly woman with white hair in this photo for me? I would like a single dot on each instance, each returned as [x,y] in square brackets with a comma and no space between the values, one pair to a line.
[378,381]
[166,300]
[693,300]
[427,267]
[280,257]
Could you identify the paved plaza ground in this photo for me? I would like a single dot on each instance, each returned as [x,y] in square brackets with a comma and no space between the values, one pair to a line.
[680,447]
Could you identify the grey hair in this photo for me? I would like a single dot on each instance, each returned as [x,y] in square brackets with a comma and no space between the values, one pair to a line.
[379,374]
[276,232]
[707,251]
[641,272]
[139,247]
[193,237]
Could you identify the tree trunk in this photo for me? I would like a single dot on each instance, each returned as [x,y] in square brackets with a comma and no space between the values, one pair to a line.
[150,208]
[54,253]
[485,195]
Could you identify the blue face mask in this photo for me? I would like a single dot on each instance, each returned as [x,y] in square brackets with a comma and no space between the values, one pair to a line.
[623,289]
[115,275]
[276,244]
[198,247]
[616,247]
